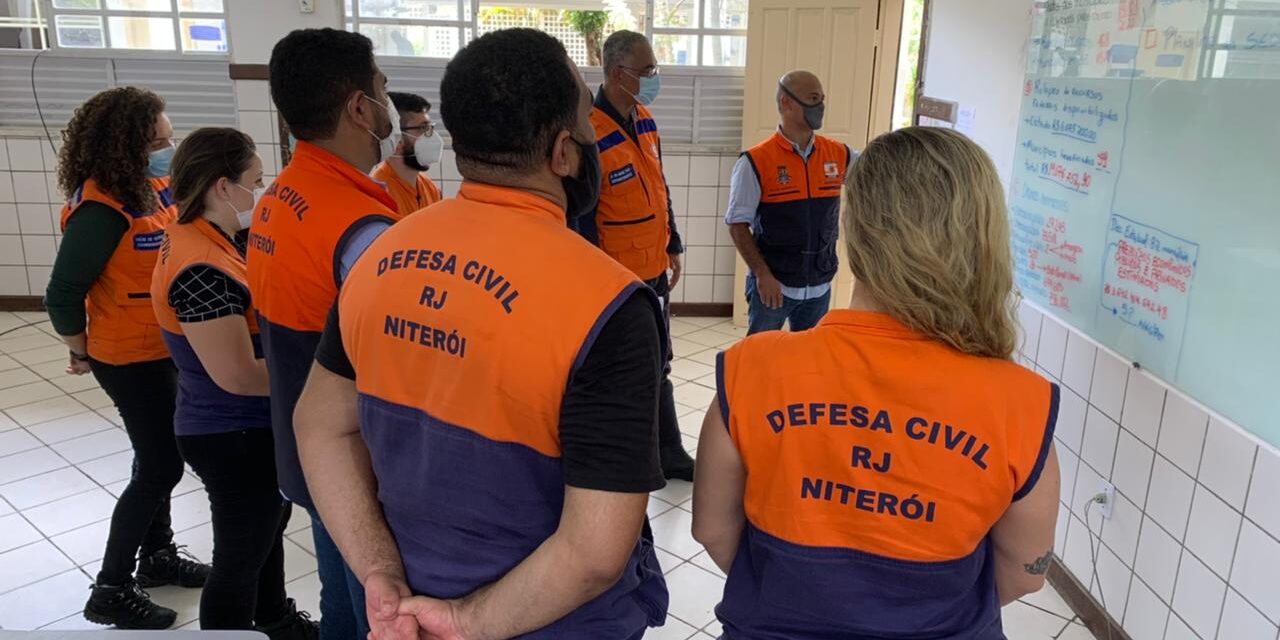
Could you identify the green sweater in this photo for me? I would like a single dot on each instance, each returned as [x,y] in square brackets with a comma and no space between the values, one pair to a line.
[89,241]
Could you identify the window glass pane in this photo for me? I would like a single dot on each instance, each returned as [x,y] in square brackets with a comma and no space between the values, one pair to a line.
[675,49]
[75,4]
[204,35]
[346,8]
[141,33]
[725,14]
[675,13]
[200,6]
[11,38]
[22,29]
[551,21]
[420,9]
[724,51]
[80,32]
[140,5]
[412,40]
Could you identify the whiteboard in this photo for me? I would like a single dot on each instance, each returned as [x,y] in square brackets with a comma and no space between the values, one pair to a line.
[1145,193]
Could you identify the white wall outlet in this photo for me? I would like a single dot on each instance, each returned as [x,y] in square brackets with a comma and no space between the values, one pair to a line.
[306,6]
[1104,508]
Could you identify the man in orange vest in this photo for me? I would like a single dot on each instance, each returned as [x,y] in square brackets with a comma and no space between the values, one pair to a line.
[784,205]
[310,226]
[405,173]
[634,222]
[475,432]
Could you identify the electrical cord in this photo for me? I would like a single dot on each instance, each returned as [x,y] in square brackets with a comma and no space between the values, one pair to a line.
[1100,498]
[36,96]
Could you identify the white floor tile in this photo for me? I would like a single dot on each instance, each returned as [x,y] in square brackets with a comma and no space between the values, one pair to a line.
[17,441]
[44,602]
[94,446]
[684,348]
[32,563]
[704,560]
[70,427]
[70,513]
[304,539]
[1075,632]
[298,521]
[305,590]
[28,464]
[75,621]
[46,487]
[694,594]
[85,544]
[16,532]
[691,423]
[694,395]
[15,377]
[46,409]
[673,533]
[677,492]
[185,601]
[1025,622]
[26,394]
[707,357]
[51,353]
[687,369]
[112,468]
[94,398]
[1048,599]
[710,338]
[657,507]
[297,561]
[672,630]
[667,561]
[190,510]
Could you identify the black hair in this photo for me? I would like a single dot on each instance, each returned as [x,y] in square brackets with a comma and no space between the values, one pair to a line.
[203,157]
[409,103]
[506,96]
[313,74]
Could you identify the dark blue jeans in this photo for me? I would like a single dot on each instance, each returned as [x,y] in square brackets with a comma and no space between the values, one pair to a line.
[342,614]
[801,314]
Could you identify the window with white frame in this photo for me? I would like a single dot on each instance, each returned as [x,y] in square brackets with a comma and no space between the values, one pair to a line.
[684,32]
[178,26]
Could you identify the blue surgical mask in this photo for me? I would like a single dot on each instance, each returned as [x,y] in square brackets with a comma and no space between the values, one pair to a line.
[649,88]
[159,160]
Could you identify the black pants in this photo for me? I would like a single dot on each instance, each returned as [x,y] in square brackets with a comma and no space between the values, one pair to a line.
[144,395]
[668,422]
[239,472]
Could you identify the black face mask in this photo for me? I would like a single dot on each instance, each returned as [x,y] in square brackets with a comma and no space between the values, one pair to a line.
[583,190]
[411,161]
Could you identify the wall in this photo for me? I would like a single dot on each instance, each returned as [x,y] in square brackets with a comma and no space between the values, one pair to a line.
[976,56]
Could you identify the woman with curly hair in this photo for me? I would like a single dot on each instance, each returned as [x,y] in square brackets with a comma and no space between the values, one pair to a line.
[113,168]
[891,472]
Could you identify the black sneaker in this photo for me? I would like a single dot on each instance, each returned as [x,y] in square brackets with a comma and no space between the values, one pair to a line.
[127,607]
[171,565]
[676,464]
[295,625]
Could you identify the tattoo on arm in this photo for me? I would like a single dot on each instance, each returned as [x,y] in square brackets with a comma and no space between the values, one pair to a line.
[1040,566]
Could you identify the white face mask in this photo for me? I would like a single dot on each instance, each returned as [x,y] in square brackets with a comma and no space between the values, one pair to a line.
[428,149]
[245,218]
[387,146]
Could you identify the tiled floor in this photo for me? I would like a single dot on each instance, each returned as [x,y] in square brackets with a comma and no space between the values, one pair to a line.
[63,459]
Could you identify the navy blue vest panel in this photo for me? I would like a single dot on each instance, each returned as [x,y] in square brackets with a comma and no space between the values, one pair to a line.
[203,407]
[289,356]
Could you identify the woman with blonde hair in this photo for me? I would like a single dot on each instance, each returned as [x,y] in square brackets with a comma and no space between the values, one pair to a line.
[890,473]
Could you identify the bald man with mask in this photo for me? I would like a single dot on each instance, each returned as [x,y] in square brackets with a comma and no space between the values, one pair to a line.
[784,205]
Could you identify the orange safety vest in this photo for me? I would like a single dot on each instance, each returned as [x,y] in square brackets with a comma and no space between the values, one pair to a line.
[409,198]
[294,268]
[798,216]
[463,338]
[878,461]
[122,325]
[202,406]
[632,217]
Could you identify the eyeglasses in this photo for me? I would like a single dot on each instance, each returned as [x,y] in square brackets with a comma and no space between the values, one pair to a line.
[425,129]
[647,72]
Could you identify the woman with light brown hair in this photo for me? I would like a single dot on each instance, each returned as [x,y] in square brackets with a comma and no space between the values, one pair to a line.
[891,472]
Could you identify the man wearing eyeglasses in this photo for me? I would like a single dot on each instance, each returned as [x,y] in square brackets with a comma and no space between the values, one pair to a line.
[633,222]
[405,172]
[784,206]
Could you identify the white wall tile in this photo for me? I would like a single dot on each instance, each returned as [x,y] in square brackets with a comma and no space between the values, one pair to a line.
[702,231]
[1264,507]
[723,239]
[1112,588]
[50,155]
[1146,616]
[1110,376]
[270,155]
[1099,450]
[1227,462]
[25,154]
[39,250]
[55,218]
[1182,432]
[1077,366]
[449,167]
[259,126]
[697,288]
[1143,405]
[726,260]
[680,200]
[1088,485]
[1029,320]
[1068,466]
[1072,410]
[1212,531]
[13,281]
[726,168]
[449,188]
[699,260]
[51,187]
[675,167]
[677,293]
[1060,530]
[1053,346]
[38,278]
[34,219]
[1169,499]
[722,289]
[253,95]
[723,200]
[704,171]
[702,202]
[1121,531]
[8,215]
[1178,630]
[4,156]
[1157,559]
[1132,467]
[11,251]
[1199,596]
[1256,570]
[29,186]
[6,187]
[1240,621]
[1076,554]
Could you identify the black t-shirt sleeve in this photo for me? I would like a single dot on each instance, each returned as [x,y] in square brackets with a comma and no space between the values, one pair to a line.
[331,353]
[609,417]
